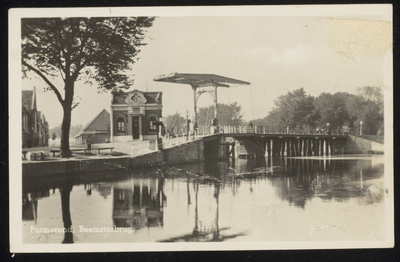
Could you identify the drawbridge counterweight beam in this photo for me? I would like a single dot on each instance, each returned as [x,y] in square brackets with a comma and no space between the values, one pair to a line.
[201,83]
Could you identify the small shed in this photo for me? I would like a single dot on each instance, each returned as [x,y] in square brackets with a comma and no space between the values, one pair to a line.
[96,131]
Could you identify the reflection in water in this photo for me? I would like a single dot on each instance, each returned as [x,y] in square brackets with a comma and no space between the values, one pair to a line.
[252,200]
[139,203]
[65,191]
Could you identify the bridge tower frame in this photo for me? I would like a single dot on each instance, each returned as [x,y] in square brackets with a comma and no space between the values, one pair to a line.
[201,83]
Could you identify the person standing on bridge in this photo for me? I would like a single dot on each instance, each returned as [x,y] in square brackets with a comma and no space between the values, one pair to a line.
[215,126]
[195,126]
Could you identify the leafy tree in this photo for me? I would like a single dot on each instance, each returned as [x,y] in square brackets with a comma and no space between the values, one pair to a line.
[371,93]
[374,118]
[295,109]
[228,115]
[367,106]
[332,109]
[175,123]
[92,48]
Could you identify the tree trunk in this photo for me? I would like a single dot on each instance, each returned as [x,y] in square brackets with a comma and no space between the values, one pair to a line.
[66,123]
[65,126]
[65,191]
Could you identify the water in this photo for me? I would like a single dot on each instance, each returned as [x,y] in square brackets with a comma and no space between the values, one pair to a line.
[272,199]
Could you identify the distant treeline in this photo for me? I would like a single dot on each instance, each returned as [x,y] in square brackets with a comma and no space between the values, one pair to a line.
[336,111]
[300,111]
[72,133]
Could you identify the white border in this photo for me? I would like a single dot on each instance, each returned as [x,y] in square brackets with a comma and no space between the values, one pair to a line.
[381,12]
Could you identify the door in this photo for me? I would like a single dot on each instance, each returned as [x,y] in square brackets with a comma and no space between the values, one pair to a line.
[135,127]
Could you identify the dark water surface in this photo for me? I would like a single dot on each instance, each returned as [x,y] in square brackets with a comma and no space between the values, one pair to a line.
[271,199]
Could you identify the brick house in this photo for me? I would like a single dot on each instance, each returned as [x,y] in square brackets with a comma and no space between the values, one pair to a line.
[35,129]
[133,115]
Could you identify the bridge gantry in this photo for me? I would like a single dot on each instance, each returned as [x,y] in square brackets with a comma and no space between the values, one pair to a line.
[201,83]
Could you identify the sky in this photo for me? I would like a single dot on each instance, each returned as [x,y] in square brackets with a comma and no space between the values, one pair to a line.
[276,53]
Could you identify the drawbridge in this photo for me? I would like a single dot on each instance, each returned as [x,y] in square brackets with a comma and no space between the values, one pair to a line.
[200,84]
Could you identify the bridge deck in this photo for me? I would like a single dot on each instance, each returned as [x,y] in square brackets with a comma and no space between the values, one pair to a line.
[209,133]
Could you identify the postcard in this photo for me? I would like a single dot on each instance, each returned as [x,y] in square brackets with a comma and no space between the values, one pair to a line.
[201,128]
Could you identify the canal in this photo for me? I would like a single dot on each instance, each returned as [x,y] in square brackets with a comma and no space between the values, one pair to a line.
[271,199]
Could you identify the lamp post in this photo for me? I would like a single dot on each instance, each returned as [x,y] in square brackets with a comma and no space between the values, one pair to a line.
[327,128]
[361,123]
[187,125]
[158,124]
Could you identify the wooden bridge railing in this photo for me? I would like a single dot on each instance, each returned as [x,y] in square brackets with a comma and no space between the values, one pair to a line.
[202,131]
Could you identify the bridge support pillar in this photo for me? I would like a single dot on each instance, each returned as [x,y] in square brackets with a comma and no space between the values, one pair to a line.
[272,147]
[306,147]
[316,147]
[269,147]
[300,147]
[285,147]
[276,147]
[294,147]
[330,147]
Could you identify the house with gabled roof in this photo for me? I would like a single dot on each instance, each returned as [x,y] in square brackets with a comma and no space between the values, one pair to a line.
[35,129]
[95,131]
[135,115]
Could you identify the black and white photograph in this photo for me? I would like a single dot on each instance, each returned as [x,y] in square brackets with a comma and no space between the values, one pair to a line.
[201,128]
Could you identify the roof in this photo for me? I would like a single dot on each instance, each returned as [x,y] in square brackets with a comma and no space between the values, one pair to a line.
[28,100]
[99,124]
[153,97]
[198,80]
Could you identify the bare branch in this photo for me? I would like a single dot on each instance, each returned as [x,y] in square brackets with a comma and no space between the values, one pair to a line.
[46,80]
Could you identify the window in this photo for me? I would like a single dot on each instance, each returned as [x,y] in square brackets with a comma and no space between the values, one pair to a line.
[25,121]
[120,99]
[121,125]
[121,195]
[152,119]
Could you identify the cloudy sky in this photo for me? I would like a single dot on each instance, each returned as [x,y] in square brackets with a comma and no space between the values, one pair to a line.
[276,52]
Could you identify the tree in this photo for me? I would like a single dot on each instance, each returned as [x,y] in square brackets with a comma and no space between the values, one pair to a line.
[368,107]
[228,115]
[175,123]
[93,48]
[295,109]
[332,109]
